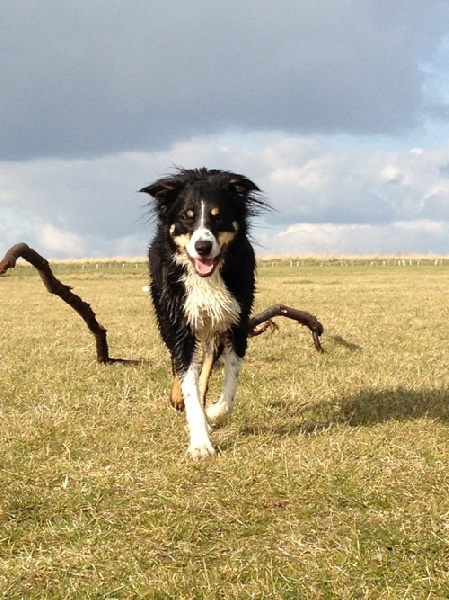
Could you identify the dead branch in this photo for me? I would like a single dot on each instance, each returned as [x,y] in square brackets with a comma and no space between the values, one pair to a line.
[54,286]
[262,321]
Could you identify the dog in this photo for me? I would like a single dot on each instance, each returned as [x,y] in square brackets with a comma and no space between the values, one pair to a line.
[202,269]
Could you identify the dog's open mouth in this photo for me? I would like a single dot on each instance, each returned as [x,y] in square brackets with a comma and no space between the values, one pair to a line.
[204,267]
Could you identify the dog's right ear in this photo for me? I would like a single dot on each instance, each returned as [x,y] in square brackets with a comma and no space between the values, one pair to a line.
[165,192]
[162,188]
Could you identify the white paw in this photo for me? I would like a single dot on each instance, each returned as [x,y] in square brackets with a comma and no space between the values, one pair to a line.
[217,414]
[198,452]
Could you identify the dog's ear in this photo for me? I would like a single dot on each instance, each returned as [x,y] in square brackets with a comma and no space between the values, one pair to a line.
[162,188]
[241,185]
[165,192]
[246,195]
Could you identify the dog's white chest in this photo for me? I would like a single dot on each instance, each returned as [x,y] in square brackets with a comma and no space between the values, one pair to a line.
[209,306]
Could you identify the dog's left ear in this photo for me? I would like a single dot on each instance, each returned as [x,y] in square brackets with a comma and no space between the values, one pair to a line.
[241,185]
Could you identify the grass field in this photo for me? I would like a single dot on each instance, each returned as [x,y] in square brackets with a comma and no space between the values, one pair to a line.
[332,478]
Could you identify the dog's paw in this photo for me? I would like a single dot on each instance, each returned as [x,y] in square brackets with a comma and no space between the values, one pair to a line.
[217,414]
[176,397]
[177,404]
[199,452]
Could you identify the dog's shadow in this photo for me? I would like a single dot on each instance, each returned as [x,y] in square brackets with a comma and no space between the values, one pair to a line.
[371,407]
[366,408]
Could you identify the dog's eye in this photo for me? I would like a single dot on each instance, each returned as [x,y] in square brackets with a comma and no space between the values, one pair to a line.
[188,217]
[215,215]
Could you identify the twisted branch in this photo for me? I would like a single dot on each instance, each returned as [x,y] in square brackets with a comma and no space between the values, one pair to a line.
[54,286]
[262,321]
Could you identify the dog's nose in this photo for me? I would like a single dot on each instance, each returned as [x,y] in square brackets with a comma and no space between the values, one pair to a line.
[203,247]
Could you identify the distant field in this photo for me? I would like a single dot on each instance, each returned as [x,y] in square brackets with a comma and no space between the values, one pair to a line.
[332,479]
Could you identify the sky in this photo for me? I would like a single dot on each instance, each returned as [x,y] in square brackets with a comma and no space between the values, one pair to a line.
[337,109]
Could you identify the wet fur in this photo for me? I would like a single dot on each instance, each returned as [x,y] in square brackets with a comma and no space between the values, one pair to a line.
[198,210]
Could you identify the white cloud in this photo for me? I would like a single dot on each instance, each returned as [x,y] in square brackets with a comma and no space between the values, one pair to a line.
[54,241]
[327,199]
[398,238]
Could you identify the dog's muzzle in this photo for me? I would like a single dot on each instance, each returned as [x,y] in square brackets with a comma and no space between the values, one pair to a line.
[204,264]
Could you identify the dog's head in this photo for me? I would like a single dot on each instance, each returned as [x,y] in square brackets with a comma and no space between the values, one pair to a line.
[204,211]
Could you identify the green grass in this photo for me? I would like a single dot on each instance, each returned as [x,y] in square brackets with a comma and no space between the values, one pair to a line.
[332,477]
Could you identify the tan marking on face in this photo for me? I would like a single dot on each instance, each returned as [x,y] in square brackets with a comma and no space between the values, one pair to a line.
[190,214]
[226,237]
[235,225]
[215,212]
[183,240]
[172,229]
[176,397]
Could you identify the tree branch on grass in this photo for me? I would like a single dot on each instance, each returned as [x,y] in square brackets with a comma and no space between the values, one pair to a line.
[54,286]
[257,324]
[263,321]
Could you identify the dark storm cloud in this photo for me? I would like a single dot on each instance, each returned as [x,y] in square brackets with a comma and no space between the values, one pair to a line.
[93,77]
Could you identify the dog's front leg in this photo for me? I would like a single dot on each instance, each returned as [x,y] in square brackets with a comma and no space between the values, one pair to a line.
[218,413]
[200,444]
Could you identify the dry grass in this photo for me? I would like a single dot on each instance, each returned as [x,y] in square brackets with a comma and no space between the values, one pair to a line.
[332,477]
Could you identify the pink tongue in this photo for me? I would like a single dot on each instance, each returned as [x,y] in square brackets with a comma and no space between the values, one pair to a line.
[203,266]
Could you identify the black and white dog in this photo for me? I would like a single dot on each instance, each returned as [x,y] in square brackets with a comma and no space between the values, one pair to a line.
[202,269]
